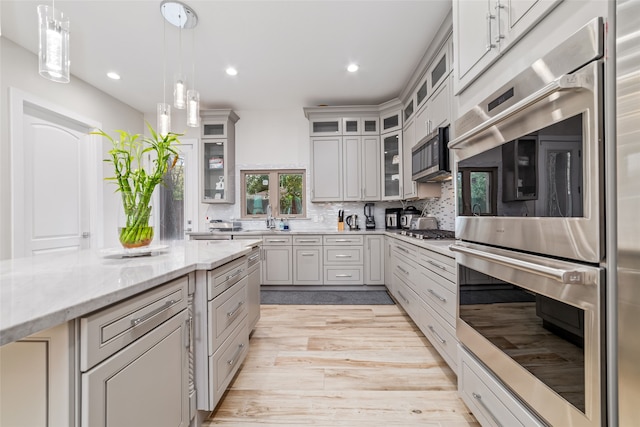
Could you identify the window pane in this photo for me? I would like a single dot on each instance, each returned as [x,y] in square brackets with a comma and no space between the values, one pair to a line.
[290,194]
[257,193]
[480,193]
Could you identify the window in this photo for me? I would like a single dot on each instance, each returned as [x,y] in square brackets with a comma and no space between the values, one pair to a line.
[283,190]
[477,191]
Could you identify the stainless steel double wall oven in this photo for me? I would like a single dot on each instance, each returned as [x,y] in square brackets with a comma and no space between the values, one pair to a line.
[530,179]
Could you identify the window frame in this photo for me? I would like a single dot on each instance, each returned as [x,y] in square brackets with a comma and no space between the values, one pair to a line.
[274,192]
[466,190]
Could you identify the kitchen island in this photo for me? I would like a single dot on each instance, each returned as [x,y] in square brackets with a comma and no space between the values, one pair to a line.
[85,335]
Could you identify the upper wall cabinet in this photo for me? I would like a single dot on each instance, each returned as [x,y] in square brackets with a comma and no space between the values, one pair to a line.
[217,176]
[325,126]
[484,30]
[391,121]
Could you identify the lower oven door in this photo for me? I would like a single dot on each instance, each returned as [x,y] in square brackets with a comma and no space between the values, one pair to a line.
[537,324]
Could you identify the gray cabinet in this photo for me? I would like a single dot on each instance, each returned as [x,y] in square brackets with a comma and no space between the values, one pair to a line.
[484,30]
[374,272]
[307,260]
[391,155]
[253,287]
[326,169]
[343,260]
[217,176]
[361,168]
[277,260]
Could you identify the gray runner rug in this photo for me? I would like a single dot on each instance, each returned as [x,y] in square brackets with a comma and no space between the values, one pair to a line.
[325,297]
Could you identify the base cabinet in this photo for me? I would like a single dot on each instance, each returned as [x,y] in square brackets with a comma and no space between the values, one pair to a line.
[277,260]
[374,260]
[253,287]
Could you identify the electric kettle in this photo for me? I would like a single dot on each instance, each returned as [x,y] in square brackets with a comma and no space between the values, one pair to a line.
[352,222]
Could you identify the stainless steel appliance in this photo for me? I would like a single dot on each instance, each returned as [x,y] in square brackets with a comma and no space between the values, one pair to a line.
[530,178]
[529,157]
[424,223]
[370,221]
[392,218]
[408,213]
[627,94]
[433,234]
[430,157]
[352,222]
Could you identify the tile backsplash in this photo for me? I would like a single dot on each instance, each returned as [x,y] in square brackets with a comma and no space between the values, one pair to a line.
[324,216]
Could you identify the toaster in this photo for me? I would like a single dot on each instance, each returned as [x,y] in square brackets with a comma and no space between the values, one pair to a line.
[424,223]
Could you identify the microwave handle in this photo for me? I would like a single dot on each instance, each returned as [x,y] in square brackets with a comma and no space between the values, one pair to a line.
[568,277]
[564,82]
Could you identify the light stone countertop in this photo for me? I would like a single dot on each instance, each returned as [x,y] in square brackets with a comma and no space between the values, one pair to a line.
[46,290]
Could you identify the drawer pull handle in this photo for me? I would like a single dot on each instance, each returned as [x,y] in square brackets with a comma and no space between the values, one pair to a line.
[231,276]
[437,296]
[235,310]
[403,249]
[307,254]
[478,398]
[344,275]
[403,270]
[276,241]
[402,296]
[344,256]
[254,257]
[436,334]
[435,264]
[342,240]
[308,241]
[234,359]
[138,320]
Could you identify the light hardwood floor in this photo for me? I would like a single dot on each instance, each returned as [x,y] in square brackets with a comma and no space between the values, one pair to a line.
[341,366]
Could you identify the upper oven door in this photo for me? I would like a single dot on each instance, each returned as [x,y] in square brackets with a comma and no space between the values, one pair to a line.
[531,177]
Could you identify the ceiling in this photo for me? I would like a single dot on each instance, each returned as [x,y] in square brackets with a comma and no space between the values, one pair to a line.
[288,54]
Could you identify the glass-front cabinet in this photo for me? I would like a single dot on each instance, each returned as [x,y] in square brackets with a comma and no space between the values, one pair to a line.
[218,156]
[391,166]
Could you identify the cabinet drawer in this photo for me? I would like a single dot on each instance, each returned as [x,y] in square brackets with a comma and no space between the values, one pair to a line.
[439,264]
[224,277]
[225,313]
[408,272]
[314,240]
[340,239]
[224,364]
[440,294]
[409,300]
[343,276]
[488,399]
[343,255]
[442,336]
[409,252]
[108,330]
[277,240]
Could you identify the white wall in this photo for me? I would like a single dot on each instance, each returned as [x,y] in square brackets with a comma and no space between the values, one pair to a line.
[19,69]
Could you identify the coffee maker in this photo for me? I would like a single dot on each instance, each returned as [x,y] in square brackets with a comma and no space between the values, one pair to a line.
[392,218]
[370,222]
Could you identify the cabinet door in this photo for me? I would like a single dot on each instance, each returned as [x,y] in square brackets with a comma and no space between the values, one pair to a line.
[325,126]
[374,271]
[146,383]
[474,27]
[370,126]
[391,122]
[307,266]
[276,267]
[326,169]
[216,179]
[391,166]
[408,140]
[439,107]
[351,168]
[253,289]
[516,17]
[370,168]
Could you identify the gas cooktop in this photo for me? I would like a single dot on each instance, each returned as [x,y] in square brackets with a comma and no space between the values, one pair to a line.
[429,234]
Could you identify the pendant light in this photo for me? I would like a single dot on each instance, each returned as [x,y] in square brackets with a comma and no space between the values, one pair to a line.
[182,16]
[53,53]
[193,97]
[164,109]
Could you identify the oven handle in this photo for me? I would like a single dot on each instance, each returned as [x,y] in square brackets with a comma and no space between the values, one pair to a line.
[568,277]
[564,82]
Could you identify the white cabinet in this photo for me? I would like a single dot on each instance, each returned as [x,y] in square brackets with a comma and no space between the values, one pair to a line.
[326,169]
[436,112]
[134,358]
[391,121]
[409,187]
[361,168]
[307,260]
[484,30]
[36,380]
[343,260]
[217,177]
[392,166]
[277,260]
[325,126]
[374,251]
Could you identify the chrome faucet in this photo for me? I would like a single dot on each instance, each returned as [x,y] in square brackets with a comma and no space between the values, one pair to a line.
[271,222]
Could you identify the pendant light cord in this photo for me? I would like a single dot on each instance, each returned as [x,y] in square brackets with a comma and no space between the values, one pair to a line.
[180,47]
[164,61]
[193,58]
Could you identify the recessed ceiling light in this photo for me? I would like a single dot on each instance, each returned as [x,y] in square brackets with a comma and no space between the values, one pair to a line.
[113,75]
[352,68]
[232,71]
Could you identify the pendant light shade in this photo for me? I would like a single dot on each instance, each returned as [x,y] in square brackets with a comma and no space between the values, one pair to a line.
[164,118]
[179,91]
[53,55]
[193,108]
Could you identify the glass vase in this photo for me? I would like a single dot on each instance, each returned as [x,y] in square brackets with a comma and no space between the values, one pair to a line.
[134,227]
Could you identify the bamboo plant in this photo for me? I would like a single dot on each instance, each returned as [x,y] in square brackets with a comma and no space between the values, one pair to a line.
[134,182]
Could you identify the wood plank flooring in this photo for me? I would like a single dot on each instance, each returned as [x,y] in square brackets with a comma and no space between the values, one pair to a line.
[341,366]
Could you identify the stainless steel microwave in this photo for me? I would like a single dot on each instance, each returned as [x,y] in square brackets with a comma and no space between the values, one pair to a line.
[430,157]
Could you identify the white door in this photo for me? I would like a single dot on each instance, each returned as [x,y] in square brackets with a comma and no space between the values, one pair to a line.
[55,183]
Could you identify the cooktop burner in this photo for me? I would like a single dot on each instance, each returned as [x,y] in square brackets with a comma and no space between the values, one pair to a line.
[429,234]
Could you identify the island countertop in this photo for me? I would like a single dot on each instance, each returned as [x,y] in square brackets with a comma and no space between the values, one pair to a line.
[46,290]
